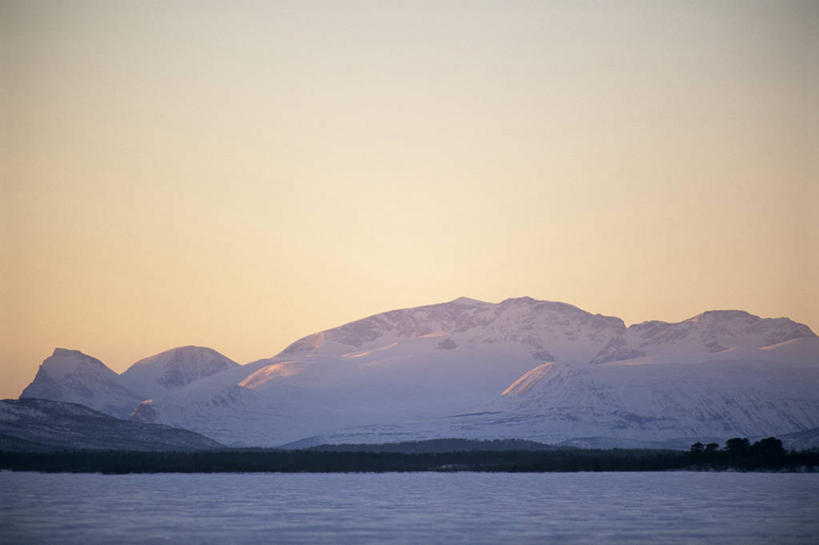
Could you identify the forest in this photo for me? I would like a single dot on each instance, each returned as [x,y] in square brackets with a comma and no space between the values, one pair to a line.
[737,454]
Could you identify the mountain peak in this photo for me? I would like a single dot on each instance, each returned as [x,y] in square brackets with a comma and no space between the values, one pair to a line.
[180,352]
[64,361]
[525,300]
[722,316]
[175,367]
[740,319]
[467,301]
[71,376]
[554,306]
[64,352]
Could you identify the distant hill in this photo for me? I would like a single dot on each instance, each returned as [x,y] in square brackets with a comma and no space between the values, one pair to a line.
[41,425]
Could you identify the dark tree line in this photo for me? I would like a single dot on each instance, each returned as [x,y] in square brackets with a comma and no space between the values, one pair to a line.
[738,453]
[741,454]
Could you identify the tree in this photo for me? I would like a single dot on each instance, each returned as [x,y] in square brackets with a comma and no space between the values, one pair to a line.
[697,448]
[737,446]
[768,451]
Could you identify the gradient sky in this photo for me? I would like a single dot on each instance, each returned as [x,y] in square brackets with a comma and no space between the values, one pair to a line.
[241,174]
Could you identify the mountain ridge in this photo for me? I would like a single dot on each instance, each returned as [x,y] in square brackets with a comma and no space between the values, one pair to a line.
[462,356]
[73,376]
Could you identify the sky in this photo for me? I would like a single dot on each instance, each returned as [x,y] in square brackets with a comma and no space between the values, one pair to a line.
[241,174]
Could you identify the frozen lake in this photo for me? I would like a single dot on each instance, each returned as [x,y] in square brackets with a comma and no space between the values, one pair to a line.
[671,507]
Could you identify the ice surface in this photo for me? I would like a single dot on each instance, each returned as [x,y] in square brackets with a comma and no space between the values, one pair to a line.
[474,508]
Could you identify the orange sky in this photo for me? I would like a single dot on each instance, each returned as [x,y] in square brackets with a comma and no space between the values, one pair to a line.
[240,174]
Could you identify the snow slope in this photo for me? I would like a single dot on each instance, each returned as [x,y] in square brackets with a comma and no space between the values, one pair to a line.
[644,402]
[173,369]
[71,376]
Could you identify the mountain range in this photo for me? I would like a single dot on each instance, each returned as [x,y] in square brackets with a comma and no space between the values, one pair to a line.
[521,368]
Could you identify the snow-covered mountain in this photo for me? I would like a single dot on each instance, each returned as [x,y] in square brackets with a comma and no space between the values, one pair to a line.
[650,402]
[71,376]
[174,369]
[521,368]
[421,362]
